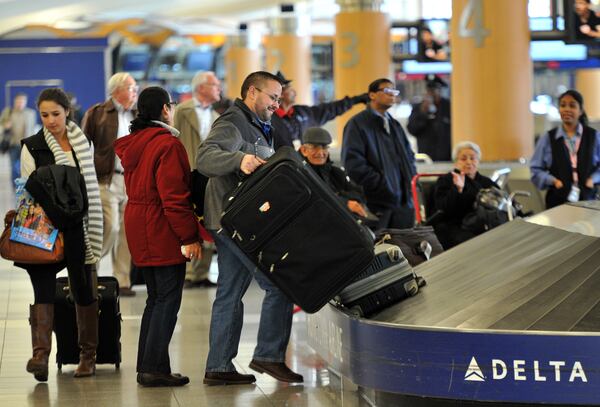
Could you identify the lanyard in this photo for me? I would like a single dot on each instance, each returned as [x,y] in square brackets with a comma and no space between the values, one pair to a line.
[573,148]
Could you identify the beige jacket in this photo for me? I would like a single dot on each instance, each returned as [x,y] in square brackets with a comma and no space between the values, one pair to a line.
[22,124]
[186,121]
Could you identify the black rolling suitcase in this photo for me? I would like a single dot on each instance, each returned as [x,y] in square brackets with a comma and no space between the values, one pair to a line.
[388,280]
[109,323]
[296,231]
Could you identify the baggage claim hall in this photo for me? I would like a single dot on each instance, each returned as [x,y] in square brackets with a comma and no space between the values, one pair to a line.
[491,303]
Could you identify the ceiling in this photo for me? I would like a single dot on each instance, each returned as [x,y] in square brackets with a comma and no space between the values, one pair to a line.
[183,16]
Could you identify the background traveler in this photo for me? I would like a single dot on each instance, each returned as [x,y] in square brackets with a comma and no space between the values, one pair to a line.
[315,150]
[193,119]
[161,228]
[455,193]
[566,160]
[16,123]
[377,155]
[430,123]
[103,123]
[290,121]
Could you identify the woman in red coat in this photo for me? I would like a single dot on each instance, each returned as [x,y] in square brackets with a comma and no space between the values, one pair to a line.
[162,231]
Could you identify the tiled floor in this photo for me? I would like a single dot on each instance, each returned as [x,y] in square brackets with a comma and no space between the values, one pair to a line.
[189,347]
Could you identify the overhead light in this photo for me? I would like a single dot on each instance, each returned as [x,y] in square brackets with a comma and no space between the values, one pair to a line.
[72,25]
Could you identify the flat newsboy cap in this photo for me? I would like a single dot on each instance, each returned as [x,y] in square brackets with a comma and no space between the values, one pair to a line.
[316,135]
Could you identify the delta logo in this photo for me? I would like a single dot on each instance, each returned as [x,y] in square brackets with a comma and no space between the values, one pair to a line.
[522,370]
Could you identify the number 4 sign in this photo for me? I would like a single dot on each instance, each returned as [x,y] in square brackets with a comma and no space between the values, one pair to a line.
[471,23]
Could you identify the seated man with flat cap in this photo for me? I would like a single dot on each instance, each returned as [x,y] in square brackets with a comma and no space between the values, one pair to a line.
[291,120]
[315,151]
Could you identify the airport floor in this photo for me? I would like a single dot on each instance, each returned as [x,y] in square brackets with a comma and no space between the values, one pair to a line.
[189,346]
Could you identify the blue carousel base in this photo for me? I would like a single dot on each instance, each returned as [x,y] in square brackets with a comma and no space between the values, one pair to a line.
[452,364]
[512,316]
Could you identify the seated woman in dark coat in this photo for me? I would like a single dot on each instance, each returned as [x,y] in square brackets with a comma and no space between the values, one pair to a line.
[455,194]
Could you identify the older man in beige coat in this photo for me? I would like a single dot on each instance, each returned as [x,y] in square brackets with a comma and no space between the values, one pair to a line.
[194,119]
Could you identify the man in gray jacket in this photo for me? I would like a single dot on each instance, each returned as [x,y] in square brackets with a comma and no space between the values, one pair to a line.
[239,142]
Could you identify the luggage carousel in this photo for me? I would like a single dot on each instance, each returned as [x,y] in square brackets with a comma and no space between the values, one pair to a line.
[512,316]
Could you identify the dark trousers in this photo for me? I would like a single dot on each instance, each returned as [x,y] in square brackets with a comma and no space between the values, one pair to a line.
[43,280]
[398,218]
[165,287]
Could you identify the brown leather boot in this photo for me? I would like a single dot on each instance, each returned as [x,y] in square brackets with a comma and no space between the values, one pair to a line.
[87,328]
[41,319]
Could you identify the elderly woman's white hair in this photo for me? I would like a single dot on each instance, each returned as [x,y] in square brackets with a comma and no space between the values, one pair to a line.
[464,145]
[116,81]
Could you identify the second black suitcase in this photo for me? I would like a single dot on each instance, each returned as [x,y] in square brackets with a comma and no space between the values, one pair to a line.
[388,280]
[109,323]
[296,231]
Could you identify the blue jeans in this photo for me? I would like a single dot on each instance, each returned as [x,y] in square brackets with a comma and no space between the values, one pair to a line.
[15,163]
[165,286]
[235,274]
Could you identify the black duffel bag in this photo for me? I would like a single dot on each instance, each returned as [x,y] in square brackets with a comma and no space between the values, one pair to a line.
[418,244]
[490,210]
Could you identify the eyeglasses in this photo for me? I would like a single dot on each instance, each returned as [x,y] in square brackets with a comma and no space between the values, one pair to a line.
[171,104]
[389,91]
[274,99]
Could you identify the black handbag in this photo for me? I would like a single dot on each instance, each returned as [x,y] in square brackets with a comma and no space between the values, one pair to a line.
[5,142]
[198,191]
[489,211]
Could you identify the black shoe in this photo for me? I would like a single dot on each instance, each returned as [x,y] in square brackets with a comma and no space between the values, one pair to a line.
[223,378]
[278,370]
[206,283]
[162,379]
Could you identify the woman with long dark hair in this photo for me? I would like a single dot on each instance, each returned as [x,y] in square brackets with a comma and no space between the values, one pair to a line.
[61,141]
[566,161]
[162,231]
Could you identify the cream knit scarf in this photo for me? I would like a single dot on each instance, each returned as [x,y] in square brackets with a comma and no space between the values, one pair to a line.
[92,223]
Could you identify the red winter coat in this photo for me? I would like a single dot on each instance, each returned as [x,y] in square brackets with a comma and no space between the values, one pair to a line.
[159,218]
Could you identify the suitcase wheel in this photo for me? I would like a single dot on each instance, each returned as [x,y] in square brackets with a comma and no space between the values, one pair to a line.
[412,288]
[117,365]
[59,366]
[421,281]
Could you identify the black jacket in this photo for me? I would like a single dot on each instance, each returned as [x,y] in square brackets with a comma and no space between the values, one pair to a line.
[383,164]
[339,182]
[561,167]
[456,206]
[61,192]
[288,128]
[432,131]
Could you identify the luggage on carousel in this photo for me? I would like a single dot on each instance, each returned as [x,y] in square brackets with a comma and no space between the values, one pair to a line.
[109,323]
[418,244]
[388,280]
[296,230]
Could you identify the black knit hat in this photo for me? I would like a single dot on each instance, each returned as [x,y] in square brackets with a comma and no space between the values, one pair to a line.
[284,82]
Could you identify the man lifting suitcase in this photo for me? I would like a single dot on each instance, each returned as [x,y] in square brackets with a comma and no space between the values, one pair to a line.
[239,142]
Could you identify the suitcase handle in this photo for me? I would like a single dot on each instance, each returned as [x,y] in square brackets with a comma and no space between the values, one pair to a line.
[100,288]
